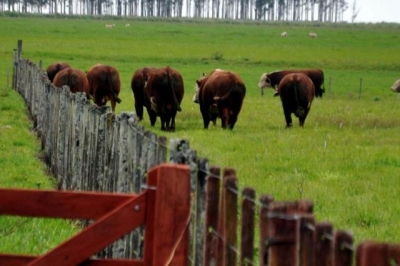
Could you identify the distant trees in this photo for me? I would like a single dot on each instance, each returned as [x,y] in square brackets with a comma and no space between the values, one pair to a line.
[268,10]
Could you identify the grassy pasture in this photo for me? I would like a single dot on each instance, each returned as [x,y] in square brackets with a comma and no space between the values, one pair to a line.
[346,159]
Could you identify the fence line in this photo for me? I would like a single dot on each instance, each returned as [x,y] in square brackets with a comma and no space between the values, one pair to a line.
[89,148]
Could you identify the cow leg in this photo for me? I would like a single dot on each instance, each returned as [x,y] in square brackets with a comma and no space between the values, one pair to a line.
[171,120]
[167,121]
[152,116]
[206,116]
[163,124]
[139,111]
[302,119]
[173,123]
[288,118]
[232,121]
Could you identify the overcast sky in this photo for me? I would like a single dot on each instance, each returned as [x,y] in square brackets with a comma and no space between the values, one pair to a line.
[374,11]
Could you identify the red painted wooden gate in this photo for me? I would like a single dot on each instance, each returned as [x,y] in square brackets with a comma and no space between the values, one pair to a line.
[164,209]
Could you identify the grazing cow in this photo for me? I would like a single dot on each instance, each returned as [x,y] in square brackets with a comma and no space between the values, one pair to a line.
[104,85]
[108,26]
[296,91]
[273,79]
[163,95]
[221,94]
[312,35]
[53,69]
[396,86]
[196,87]
[284,34]
[127,25]
[74,78]
[138,83]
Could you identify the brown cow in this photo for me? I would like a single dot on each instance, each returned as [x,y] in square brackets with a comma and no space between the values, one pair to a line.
[138,83]
[163,96]
[104,85]
[53,69]
[221,94]
[272,79]
[74,78]
[296,91]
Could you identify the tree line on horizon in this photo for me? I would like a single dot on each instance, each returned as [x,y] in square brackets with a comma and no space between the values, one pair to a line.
[266,10]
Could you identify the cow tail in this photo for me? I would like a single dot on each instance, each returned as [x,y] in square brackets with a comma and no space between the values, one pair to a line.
[171,82]
[300,110]
[115,96]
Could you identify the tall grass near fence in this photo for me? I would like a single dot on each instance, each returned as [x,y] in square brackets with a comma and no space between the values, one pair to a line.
[346,157]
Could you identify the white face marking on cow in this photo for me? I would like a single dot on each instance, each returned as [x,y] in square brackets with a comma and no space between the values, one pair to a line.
[396,86]
[264,82]
[196,93]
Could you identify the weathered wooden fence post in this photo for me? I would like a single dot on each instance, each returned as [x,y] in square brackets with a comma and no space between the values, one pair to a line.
[307,240]
[343,248]
[266,201]
[323,244]
[211,238]
[371,253]
[247,227]
[230,208]
[181,153]
[283,242]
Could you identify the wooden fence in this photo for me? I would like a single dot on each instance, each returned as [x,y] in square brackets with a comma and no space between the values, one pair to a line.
[89,148]
[164,209]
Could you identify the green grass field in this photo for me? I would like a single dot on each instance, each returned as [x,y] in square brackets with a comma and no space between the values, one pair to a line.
[346,159]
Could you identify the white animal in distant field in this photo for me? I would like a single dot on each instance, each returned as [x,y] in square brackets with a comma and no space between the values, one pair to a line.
[127,25]
[284,34]
[312,35]
[396,86]
[110,25]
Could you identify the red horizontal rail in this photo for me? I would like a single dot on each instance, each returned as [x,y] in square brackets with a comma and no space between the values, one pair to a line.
[22,260]
[59,204]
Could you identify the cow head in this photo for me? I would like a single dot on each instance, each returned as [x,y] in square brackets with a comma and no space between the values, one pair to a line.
[319,92]
[200,82]
[197,89]
[264,82]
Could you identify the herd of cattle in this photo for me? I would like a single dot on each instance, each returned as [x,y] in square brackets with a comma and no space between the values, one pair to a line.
[220,94]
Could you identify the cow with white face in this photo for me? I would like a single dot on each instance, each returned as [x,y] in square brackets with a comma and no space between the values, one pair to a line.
[196,87]
[396,86]
[272,80]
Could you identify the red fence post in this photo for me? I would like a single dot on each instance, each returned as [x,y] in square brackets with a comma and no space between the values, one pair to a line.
[371,253]
[323,244]
[343,249]
[307,240]
[266,201]
[230,196]
[283,241]
[168,214]
[247,228]
[212,217]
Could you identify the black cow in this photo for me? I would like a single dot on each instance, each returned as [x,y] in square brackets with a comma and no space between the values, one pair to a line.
[138,83]
[163,95]
[221,94]
[296,91]
[273,79]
